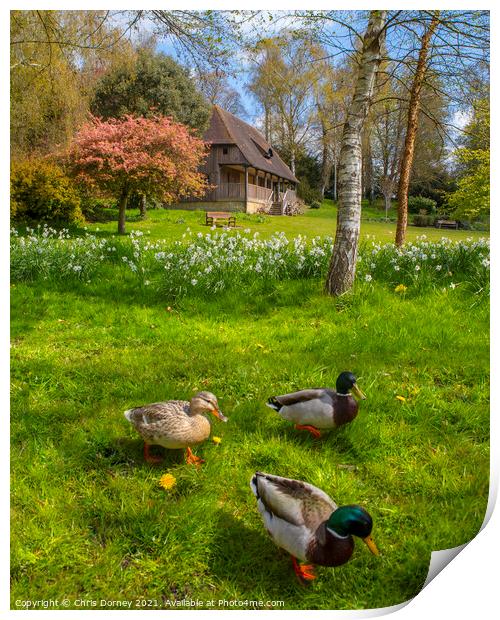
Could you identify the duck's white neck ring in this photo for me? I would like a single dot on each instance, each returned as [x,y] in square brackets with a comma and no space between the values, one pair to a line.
[339,394]
[336,534]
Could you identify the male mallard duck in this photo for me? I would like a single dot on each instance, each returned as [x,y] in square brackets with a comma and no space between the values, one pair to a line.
[319,408]
[304,521]
[175,424]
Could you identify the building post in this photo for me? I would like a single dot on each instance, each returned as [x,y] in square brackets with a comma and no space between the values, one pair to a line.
[218,190]
[246,189]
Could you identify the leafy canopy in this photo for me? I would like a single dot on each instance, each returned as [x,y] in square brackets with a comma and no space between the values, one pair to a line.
[155,85]
[471,200]
[154,156]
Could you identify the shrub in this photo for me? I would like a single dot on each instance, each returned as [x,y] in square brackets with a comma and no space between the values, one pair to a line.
[315,204]
[416,204]
[308,193]
[423,220]
[41,191]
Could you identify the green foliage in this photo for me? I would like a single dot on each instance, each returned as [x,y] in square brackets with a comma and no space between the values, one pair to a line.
[423,220]
[315,204]
[54,56]
[416,204]
[471,201]
[94,207]
[41,191]
[156,85]
[436,187]
[307,192]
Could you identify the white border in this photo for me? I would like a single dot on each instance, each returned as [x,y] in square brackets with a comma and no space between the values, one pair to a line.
[466,587]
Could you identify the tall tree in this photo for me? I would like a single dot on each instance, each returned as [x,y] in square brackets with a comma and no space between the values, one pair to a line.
[330,96]
[388,117]
[343,262]
[411,130]
[283,76]
[156,84]
[56,58]
[217,90]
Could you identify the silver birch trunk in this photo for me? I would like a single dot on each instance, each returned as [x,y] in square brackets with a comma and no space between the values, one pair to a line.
[345,251]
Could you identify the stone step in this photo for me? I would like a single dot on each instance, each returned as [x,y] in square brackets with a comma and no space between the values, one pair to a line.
[276,208]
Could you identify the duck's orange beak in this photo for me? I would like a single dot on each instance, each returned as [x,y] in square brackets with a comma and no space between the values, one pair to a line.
[371,545]
[218,414]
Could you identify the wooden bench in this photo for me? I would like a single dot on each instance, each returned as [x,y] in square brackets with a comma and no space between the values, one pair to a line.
[446,224]
[212,217]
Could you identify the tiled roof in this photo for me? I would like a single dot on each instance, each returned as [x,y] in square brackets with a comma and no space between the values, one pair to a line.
[225,128]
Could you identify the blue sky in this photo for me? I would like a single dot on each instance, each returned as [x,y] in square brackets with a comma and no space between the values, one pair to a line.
[337,36]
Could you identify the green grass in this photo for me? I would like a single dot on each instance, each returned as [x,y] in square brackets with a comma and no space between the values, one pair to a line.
[172,224]
[89,519]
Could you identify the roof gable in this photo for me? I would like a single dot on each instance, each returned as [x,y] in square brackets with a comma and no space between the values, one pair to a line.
[225,128]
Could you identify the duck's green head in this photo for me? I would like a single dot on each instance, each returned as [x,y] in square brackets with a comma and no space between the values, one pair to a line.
[352,520]
[346,382]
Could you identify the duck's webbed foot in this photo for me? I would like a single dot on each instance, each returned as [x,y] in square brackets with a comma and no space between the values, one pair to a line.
[192,459]
[305,572]
[312,429]
[150,458]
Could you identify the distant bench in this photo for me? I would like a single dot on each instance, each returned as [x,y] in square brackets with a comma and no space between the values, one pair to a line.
[446,224]
[212,217]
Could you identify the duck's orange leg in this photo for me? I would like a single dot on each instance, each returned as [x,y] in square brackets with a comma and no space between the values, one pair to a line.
[312,429]
[303,571]
[150,458]
[192,459]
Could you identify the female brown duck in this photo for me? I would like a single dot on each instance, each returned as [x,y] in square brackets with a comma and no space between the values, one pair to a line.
[175,424]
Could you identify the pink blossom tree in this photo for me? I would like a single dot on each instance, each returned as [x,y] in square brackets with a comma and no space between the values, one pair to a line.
[154,156]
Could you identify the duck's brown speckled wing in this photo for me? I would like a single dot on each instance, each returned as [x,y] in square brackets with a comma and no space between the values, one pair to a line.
[295,501]
[152,421]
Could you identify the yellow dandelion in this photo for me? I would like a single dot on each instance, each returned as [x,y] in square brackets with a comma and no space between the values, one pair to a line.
[167,481]
[400,288]
[216,440]
[401,398]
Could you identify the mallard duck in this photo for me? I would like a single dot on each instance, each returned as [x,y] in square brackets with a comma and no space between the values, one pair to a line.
[320,408]
[304,521]
[175,424]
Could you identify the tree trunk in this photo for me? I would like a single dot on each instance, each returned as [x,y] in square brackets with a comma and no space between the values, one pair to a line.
[292,160]
[411,132]
[142,206]
[335,180]
[367,166]
[122,206]
[387,200]
[326,165]
[345,250]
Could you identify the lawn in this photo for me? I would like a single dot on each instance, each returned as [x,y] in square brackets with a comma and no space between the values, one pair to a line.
[89,519]
[173,223]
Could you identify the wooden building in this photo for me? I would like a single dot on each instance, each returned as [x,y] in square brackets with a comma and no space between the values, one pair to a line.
[246,173]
